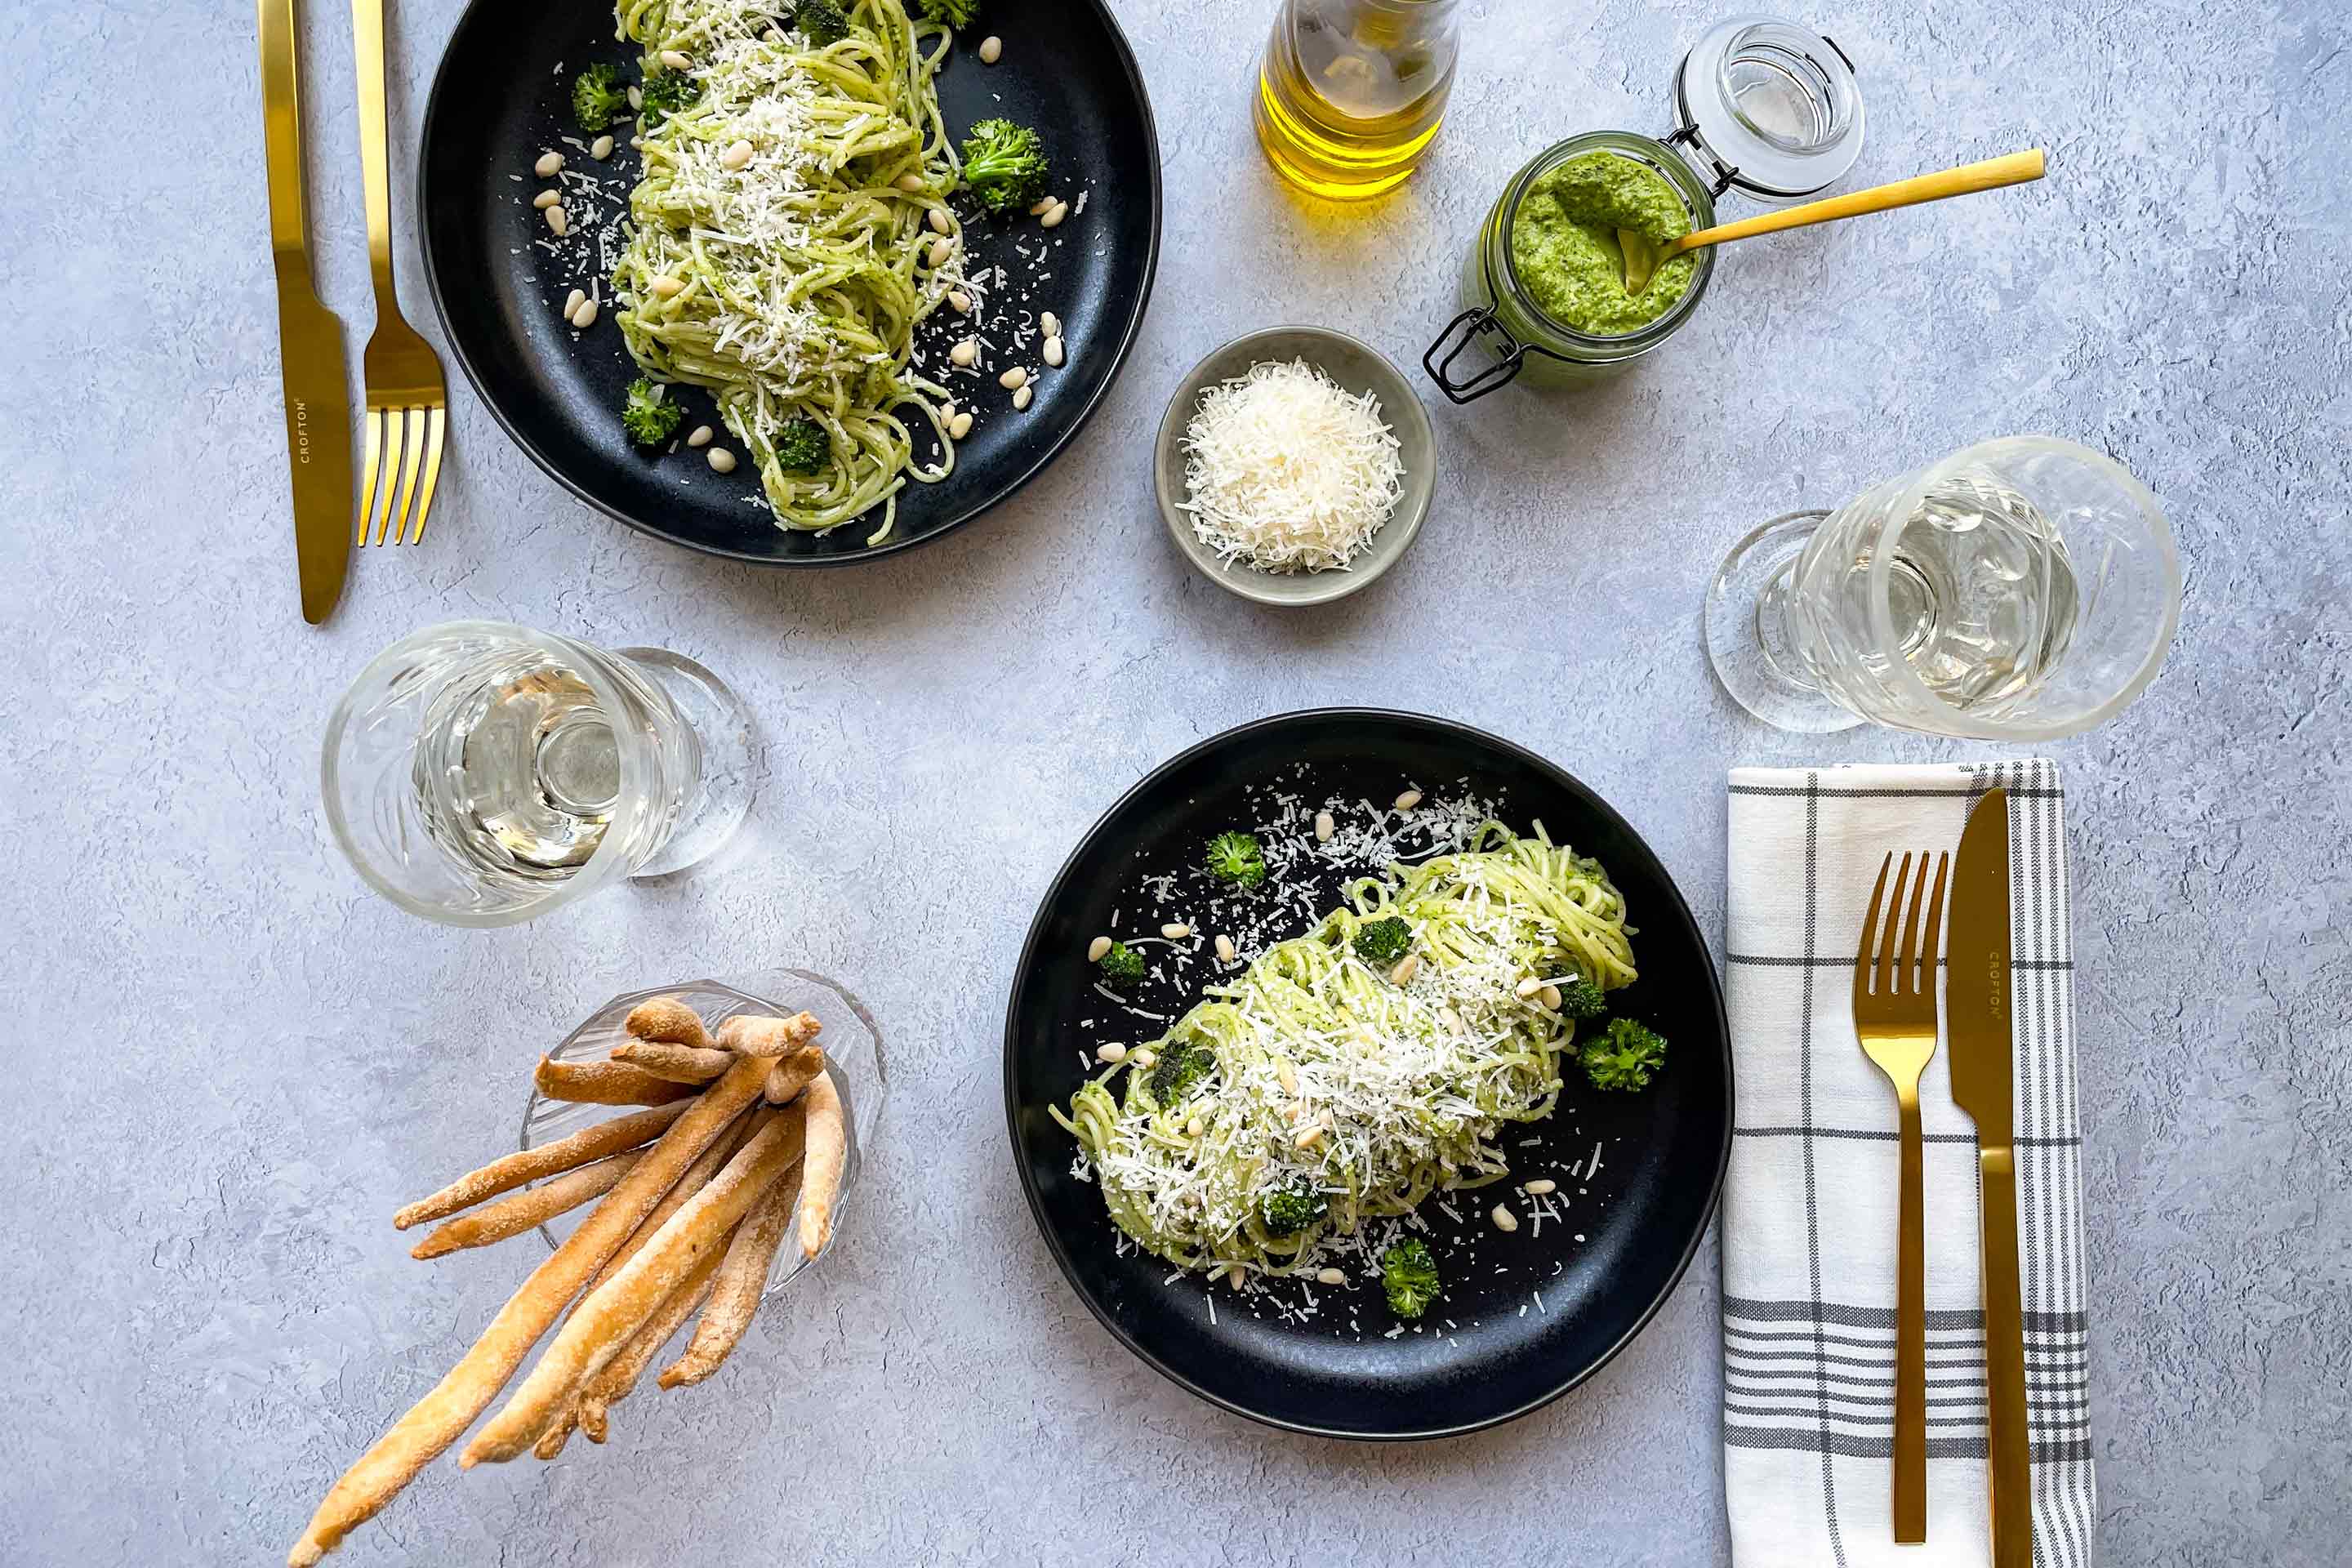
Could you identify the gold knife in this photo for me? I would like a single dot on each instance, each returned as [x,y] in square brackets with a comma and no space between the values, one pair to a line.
[1983,1061]
[309,339]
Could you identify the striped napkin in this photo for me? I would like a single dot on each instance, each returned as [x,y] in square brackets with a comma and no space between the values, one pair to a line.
[1809,1210]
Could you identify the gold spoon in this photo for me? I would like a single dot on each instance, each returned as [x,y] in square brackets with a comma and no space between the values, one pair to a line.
[1642,257]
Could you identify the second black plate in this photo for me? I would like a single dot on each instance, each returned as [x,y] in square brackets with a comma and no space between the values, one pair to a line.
[502,94]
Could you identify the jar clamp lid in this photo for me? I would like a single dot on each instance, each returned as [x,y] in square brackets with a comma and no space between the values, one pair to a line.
[1769,109]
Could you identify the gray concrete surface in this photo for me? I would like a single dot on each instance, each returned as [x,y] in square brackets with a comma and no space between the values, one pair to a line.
[230,1062]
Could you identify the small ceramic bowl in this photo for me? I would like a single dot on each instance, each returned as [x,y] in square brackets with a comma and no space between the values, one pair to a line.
[1356,367]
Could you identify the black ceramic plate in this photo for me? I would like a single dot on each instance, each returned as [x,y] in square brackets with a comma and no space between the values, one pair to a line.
[1602,1271]
[502,95]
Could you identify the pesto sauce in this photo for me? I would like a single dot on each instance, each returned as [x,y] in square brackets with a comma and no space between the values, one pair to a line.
[1564,244]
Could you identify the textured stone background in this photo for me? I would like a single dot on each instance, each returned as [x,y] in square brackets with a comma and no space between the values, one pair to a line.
[231,1062]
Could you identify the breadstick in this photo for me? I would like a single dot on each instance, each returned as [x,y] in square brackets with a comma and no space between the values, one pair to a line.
[619,1378]
[605,1083]
[559,1432]
[442,1416]
[792,1073]
[680,1064]
[751,1035]
[828,1147]
[533,1205]
[736,1290]
[665,1018]
[619,1307]
[547,1160]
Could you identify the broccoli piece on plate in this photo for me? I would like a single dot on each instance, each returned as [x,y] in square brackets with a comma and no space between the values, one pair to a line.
[649,417]
[1382,942]
[1626,1058]
[957,14]
[820,22]
[804,446]
[666,92]
[1177,1072]
[1003,165]
[1579,998]
[1235,857]
[1289,1210]
[597,95]
[1122,966]
[1409,1274]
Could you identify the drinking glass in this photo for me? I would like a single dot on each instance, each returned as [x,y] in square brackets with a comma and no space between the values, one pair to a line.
[482,774]
[2023,589]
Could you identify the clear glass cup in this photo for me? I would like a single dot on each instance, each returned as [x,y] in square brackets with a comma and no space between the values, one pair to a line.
[1351,93]
[2023,589]
[481,773]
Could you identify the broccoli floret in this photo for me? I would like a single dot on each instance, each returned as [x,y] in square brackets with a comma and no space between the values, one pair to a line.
[648,416]
[1292,1209]
[1409,1274]
[1122,966]
[820,22]
[1579,998]
[597,95]
[1235,857]
[1003,165]
[804,446]
[1626,1058]
[666,92]
[957,14]
[1177,1072]
[1383,942]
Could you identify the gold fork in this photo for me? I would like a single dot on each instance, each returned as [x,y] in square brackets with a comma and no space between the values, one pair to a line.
[1894,1014]
[407,399]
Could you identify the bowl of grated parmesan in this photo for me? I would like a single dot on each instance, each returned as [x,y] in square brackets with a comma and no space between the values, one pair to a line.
[1294,466]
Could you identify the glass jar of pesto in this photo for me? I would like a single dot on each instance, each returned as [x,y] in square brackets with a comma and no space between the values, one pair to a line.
[1762,106]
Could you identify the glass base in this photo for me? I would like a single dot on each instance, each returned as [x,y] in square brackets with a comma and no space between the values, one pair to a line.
[725,783]
[1747,637]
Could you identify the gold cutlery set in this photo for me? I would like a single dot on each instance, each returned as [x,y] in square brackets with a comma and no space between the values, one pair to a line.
[408,399]
[1894,1017]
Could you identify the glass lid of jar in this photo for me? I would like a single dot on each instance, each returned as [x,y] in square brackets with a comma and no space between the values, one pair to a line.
[1768,108]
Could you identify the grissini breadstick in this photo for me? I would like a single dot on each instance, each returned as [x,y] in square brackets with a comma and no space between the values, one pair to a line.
[547,1160]
[619,1378]
[441,1416]
[680,1064]
[792,1073]
[620,1306]
[665,1018]
[559,1432]
[828,1147]
[517,1213]
[605,1083]
[752,1034]
[736,1289]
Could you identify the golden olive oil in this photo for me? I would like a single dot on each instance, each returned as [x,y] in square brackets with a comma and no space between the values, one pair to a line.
[1351,91]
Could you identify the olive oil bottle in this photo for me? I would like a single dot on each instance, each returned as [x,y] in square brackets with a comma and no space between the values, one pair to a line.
[1351,91]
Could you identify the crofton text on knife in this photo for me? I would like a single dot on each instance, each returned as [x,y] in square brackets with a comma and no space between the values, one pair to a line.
[1976,1022]
[309,338]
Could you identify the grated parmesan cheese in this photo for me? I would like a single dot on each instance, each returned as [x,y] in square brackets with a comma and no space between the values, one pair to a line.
[1288,471]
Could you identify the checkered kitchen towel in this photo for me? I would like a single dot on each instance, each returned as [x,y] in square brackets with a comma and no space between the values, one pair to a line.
[1809,1213]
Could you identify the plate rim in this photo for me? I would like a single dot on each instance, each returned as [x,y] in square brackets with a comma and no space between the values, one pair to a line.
[1130,336]
[1031,946]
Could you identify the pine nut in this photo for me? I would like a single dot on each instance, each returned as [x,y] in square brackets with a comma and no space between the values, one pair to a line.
[941,249]
[601,148]
[1291,1113]
[1143,1057]
[1097,948]
[546,199]
[959,426]
[1406,968]
[1454,1020]
[1324,827]
[1330,1276]
[1549,997]
[1236,1277]
[700,436]
[1311,1137]
[1504,1218]
[1112,1053]
[964,352]
[1041,207]
[1194,1128]
[667,288]
[585,316]
[559,220]
[959,298]
[722,461]
[1408,800]
[636,98]
[1288,1075]
[1014,379]
[573,302]
[990,49]
[1529,987]
[910,184]
[1049,323]
[1054,214]
[1225,953]
[676,61]
[1021,397]
[1175,931]
[738,153]
[549,162]
[1053,353]
[1541,1185]
[939,224]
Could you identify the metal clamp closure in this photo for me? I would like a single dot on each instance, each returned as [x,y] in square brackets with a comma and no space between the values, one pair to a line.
[1475,324]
